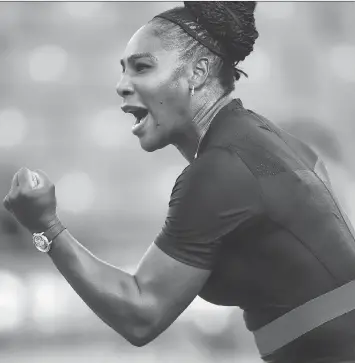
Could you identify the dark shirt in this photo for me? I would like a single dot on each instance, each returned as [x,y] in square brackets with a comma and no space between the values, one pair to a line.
[256,208]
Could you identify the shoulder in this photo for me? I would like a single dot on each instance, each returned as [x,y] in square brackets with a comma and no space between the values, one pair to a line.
[217,162]
[217,174]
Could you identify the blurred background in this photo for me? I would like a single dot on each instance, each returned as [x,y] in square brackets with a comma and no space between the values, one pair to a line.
[59,112]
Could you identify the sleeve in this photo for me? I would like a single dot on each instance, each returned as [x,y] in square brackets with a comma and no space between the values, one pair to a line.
[212,197]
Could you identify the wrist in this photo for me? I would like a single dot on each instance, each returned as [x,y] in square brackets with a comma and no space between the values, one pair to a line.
[45,224]
[43,240]
[54,229]
[50,223]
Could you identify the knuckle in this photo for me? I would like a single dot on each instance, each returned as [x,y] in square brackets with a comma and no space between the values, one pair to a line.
[9,202]
[10,198]
[23,193]
[22,170]
[6,202]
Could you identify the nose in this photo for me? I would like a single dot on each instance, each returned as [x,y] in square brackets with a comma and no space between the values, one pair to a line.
[124,87]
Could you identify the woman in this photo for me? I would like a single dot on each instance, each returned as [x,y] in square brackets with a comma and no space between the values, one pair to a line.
[252,220]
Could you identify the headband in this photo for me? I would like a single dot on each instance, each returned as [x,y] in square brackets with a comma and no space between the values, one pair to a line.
[188,22]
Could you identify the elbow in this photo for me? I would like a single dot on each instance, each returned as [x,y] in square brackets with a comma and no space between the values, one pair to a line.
[139,343]
[140,337]
[139,326]
[144,328]
[137,332]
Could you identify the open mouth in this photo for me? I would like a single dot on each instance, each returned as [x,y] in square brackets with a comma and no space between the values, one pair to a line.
[140,114]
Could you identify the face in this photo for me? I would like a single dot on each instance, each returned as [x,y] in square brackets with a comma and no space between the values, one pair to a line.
[154,87]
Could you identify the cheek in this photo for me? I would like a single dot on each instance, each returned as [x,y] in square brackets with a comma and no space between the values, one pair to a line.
[157,95]
[169,89]
[172,100]
[166,95]
[171,86]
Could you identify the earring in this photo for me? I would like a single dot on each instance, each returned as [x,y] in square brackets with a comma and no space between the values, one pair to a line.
[192,91]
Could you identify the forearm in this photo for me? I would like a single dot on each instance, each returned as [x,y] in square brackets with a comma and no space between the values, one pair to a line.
[111,293]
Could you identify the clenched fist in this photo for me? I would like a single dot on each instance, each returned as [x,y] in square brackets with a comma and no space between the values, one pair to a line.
[32,200]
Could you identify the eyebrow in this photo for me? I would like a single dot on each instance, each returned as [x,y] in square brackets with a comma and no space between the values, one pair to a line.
[136,56]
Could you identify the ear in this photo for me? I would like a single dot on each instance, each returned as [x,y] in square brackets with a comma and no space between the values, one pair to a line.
[200,73]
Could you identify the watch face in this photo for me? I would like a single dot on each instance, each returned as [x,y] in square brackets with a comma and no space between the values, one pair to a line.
[41,242]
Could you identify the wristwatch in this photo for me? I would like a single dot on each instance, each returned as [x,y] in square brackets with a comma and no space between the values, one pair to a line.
[43,240]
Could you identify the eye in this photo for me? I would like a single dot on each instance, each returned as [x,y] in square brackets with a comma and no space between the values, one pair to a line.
[141,67]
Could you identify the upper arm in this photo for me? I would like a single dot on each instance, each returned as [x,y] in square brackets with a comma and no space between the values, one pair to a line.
[167,287]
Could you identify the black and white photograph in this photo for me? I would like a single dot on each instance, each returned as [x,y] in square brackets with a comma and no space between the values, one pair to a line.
[177,182]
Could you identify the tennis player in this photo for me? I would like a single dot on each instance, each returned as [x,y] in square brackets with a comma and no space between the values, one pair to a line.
[252,220]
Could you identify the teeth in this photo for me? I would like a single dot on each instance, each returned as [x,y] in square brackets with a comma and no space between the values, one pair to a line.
[139,115]
[139,121]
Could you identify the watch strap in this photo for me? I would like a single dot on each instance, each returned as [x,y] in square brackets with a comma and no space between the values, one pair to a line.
[54,231]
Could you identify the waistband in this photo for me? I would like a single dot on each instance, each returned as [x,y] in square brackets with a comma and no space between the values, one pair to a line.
[305,318]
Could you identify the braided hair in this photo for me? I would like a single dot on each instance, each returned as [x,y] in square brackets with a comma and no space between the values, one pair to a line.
[222,31]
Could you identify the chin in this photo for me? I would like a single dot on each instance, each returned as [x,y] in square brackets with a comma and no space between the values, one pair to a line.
[151,144]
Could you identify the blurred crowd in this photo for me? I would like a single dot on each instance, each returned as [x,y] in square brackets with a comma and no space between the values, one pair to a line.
[59,112]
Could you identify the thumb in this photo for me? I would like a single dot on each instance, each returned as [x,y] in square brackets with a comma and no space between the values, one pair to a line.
[41,178]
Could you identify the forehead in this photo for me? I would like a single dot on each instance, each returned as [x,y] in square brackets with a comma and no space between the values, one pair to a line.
[144,41]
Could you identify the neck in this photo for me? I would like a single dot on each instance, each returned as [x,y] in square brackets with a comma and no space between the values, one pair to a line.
[189,141]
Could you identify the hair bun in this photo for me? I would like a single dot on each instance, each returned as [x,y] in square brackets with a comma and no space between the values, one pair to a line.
[231,23]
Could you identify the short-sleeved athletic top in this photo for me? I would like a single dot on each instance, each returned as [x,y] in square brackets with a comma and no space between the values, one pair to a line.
[257,209]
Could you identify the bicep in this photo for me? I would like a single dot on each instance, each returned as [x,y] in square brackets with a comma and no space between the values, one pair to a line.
[167,287]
